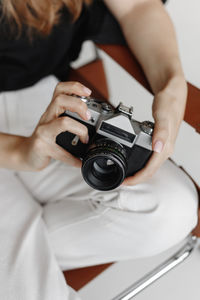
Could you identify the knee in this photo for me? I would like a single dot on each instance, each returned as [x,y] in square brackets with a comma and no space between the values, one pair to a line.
[176,219]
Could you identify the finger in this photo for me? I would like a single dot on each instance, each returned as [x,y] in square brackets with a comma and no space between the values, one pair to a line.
[49,131]
[148,171]
[62,103]
[160,135]
[71,87]
[162,145]
[58,153]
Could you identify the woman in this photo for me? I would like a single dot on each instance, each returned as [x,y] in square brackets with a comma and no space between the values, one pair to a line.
[50,219]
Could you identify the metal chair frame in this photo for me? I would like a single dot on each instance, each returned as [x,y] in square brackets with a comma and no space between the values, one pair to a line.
[180,256]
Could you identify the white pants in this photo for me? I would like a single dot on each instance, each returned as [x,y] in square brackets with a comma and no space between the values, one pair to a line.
[52,220]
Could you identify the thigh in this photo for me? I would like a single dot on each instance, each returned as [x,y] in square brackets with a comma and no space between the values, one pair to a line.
[127,223]
[56,182]
[28,269]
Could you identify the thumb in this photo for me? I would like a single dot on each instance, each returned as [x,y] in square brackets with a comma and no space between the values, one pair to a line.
[160,136]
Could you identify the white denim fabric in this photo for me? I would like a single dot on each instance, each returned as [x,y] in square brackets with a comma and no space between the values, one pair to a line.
[52,220]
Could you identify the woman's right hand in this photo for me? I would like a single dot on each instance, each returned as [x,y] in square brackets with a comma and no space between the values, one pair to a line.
[37,150]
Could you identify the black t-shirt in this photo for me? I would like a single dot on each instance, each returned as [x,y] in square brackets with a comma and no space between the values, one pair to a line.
[23,63]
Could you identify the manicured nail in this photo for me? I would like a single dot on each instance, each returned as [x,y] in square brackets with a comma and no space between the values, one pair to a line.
[87,91]
[88,114]
[158,147]
[87,139]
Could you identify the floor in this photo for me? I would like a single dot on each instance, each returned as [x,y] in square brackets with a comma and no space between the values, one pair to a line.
[183,281]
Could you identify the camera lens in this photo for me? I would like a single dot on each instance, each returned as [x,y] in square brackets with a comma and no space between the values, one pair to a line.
[104,166]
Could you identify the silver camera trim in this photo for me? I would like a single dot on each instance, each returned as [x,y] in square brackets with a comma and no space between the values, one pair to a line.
[120,117]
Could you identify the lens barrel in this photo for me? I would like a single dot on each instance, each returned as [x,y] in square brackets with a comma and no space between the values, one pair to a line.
[105,164]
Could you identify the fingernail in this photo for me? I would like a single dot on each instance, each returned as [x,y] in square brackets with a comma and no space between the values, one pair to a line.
[87,91]
[158,147]
[88,114]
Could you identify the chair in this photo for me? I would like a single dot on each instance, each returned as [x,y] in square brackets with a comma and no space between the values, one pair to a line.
[122,55]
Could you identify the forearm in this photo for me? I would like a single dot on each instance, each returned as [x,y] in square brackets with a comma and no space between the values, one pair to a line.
[150,35]
[10,152]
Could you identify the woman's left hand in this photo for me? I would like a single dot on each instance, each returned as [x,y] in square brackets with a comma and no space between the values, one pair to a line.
[168,111]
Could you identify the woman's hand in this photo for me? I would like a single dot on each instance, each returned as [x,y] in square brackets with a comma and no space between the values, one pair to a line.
[168,111]
[37,150]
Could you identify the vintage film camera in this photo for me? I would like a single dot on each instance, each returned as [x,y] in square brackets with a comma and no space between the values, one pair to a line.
[118,146]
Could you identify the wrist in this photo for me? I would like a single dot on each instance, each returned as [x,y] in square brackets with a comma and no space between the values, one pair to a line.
[170,102]
[176,88]
[21,153]
[10,152]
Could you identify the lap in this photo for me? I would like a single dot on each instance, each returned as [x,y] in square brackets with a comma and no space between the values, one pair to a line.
[89,227]
[169,189]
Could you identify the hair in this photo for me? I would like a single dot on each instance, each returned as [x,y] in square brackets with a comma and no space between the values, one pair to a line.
[38,15]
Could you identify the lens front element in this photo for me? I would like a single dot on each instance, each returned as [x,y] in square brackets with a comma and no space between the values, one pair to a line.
[104,166]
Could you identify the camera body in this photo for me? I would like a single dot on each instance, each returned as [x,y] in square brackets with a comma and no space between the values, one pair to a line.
[118,146]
